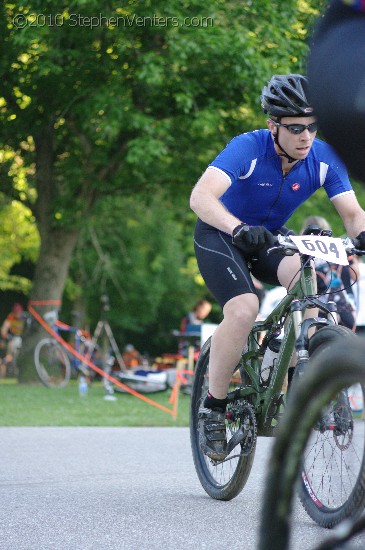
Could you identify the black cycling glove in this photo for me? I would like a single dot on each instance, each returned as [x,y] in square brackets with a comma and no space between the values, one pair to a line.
[360,244]
[250,238]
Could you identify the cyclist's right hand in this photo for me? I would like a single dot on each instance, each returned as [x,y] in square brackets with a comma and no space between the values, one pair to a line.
[251,237]
[359,242]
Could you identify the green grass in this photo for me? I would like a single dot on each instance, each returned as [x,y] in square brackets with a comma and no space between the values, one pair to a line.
[36,405]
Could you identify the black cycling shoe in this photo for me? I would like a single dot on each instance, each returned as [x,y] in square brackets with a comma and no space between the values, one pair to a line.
[212,433]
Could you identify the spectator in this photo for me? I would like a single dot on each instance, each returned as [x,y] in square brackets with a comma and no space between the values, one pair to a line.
[192,323]
[12,330]
[3,346]
[272,298]
[131,357]
[315,220]
[200,311]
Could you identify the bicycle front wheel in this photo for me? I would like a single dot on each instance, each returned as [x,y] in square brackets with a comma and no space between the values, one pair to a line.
[52,363]
[333,465]
[330,458]
[222,480]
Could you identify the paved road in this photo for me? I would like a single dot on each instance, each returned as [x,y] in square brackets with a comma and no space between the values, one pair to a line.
[123,489]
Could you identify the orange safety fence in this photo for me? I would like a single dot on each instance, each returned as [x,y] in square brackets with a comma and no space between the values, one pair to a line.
[45,302]
[90,364]
[180,379]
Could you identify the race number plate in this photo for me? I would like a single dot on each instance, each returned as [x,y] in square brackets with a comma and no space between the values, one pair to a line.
[326,248]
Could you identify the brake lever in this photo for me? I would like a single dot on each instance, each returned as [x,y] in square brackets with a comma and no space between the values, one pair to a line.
[282,246]
[353,245]
[282,250]
[358,252]
[275,248]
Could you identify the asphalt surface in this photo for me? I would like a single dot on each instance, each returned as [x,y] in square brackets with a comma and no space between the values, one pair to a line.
[124,488]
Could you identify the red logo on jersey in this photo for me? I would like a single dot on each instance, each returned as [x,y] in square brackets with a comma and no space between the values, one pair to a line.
[295,186]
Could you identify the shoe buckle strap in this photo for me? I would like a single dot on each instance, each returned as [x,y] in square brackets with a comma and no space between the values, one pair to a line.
[215,431]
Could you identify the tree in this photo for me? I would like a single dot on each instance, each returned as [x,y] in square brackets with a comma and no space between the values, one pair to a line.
[97,106]
[19,241]
[134,252]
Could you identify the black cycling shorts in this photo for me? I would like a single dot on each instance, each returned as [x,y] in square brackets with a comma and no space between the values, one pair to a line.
[225,269]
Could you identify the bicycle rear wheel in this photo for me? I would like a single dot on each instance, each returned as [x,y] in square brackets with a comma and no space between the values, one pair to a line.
[330,459]
[222,480]
[52,363]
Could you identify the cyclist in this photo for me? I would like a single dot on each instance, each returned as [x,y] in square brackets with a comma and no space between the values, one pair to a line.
[336,70]
[12,330]
[242,201]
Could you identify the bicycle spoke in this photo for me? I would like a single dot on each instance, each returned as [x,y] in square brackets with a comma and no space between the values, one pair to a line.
[222,480]
[333,462]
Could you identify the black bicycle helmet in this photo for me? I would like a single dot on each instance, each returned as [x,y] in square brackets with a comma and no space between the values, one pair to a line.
[286,95]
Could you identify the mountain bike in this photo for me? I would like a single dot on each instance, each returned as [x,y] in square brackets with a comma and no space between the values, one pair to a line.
[53,363]
[340,449]
[256,400]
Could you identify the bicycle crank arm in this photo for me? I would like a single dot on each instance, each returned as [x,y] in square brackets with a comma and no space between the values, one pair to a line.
[236,439]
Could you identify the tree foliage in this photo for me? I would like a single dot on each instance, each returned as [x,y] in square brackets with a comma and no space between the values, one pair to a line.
[19,241]
[134,252]
[103,104]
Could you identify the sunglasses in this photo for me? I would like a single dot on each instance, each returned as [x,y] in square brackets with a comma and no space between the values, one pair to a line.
[298,128]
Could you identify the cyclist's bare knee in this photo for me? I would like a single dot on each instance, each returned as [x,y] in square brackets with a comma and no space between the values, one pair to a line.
[242,309]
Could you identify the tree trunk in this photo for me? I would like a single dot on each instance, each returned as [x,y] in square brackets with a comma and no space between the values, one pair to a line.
[49,282]
[57,246]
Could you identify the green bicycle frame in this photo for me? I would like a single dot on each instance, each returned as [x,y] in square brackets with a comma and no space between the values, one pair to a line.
[267,399]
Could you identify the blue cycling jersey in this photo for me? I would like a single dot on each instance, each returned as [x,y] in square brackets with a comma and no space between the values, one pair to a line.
[259,193]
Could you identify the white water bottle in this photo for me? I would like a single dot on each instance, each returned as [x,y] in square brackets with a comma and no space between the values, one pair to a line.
[271,354]
[83,387]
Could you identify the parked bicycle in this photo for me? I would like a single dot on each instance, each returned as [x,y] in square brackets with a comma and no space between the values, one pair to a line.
[341,448]
[53,362]
[256,402]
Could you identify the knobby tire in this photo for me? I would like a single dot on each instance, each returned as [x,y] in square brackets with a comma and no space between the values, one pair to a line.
[337,362]
[221,480]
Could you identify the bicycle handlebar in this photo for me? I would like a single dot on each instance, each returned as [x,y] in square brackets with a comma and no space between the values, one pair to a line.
[288,247]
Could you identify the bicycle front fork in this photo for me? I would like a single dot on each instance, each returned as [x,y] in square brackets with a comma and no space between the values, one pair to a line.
[302,327]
